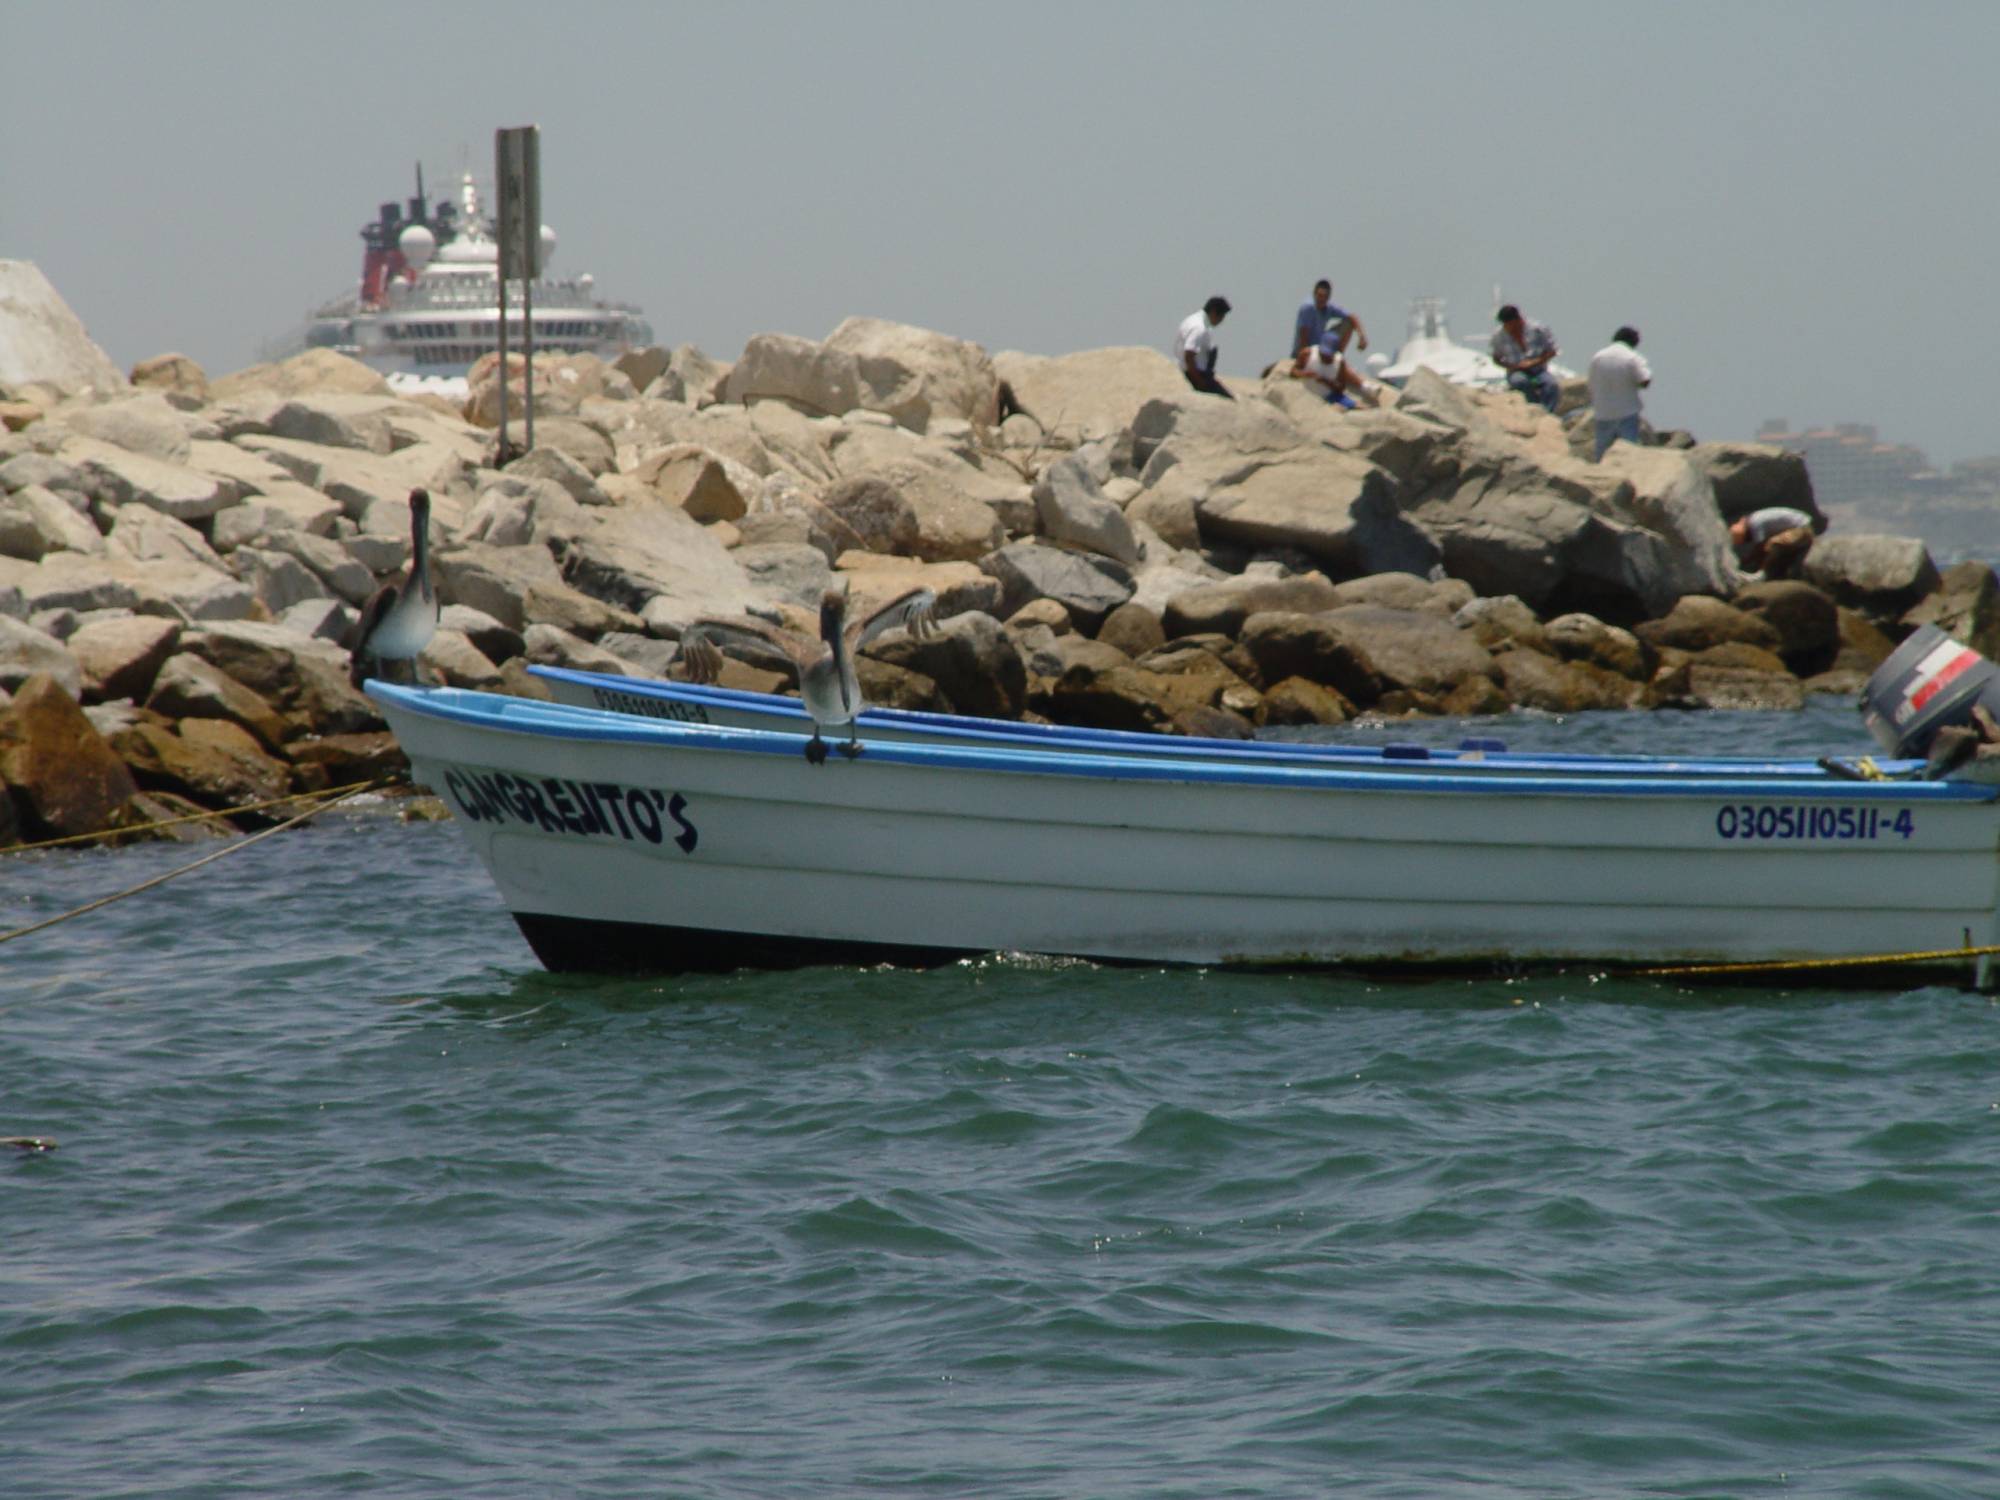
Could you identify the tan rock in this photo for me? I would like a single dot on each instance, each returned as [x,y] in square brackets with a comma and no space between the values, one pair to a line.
[186,687]
[64,778]
[120,658]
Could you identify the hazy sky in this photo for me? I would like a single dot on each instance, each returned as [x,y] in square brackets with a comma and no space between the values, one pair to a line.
[1795,203]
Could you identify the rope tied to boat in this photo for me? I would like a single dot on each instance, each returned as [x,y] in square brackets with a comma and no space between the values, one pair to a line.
[332,798]
[1785,965]
[218,815]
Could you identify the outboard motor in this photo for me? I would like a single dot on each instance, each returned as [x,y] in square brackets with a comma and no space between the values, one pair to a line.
[1931,681]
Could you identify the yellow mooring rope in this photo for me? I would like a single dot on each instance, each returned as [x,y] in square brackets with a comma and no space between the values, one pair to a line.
[1782,965]
[219,815]
[355,789]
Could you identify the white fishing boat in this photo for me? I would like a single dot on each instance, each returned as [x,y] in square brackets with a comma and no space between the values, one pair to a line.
[427,306]
[622,841]
[732,708]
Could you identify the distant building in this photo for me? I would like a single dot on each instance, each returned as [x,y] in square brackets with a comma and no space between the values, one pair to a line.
[1864,482]
[1850,465]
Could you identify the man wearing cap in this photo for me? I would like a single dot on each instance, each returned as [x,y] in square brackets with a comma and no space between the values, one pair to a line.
[1194,347]
[1320,314]
[1326,368]
[1617,375]
[1523,349]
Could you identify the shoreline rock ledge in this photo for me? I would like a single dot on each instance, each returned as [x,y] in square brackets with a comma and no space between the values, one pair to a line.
[181,556]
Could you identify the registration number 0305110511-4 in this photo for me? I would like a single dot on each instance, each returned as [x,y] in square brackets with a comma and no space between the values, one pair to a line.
[1759,821]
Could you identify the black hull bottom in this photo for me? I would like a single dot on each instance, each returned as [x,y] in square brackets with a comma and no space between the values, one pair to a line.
[585,945]
[567,945]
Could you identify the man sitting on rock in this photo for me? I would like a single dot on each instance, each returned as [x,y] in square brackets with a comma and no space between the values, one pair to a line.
[1326,368]
[1194,347]
[1523,349]
[1774,541]
[1320,316]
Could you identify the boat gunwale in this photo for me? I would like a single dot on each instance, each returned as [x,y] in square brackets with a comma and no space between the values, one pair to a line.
[470,709]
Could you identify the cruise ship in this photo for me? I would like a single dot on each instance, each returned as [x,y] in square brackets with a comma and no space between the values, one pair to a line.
[428,302]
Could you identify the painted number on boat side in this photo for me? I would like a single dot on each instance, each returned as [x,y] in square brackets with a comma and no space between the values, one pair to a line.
[1764,821]
[649,708]
[557,805]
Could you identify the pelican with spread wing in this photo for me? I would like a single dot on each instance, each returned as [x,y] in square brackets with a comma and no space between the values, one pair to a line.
[825,667]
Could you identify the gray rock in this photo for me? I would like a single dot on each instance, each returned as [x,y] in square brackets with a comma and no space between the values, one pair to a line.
[1221,608]
[1881,576]
[142,423]
[114,478]
[1073,510]
[35,521]
[550,646]
[493,580]
[119,658]
[495,641]
[1086,585]
[792,572]
[321,619]
[278,580]
[24,651]
[336,420]
[331,563]
[150,536]
[972,660]
[1751,476]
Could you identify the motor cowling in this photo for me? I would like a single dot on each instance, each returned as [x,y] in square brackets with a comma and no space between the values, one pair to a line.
[1930,682]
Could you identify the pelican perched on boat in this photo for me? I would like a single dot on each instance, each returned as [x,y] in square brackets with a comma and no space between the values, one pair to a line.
[825,667]
[399,618]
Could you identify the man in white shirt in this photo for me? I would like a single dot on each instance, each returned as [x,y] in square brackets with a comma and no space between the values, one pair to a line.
[1194,347]
[1325,367]
[1617,374]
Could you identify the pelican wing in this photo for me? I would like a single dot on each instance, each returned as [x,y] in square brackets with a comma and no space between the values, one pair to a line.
[913,607]
[704,642]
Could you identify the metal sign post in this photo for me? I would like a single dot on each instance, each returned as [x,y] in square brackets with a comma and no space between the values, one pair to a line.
[517,163]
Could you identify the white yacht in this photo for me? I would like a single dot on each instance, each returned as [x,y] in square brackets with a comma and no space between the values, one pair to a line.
[1430,343]
[428,303]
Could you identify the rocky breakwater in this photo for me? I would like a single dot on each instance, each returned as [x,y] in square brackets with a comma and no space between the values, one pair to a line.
[180,558]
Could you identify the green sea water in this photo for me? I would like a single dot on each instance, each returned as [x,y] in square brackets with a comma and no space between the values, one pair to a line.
[352,1199]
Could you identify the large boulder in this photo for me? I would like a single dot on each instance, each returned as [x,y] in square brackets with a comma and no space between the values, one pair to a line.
[1094,393]
[35,521]
[1807,622]
[971,659]
[1966,606]
[953,501]
[315,370]
[43,342]
[143,423]
[114,477]
[119,658]
[915,375]
[1085,584]
[1698,623]
[1220,608]
[1882,576]
[1073,509]
[64,779]
[1751,476]
[800,371]
[656,562]
[1368,652]
[26,652]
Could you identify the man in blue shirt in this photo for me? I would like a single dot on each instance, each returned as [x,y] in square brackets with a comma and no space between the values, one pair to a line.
[1523,348]
[1316,316]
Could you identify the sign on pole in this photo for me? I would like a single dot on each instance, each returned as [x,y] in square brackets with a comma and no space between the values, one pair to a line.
[517,171]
